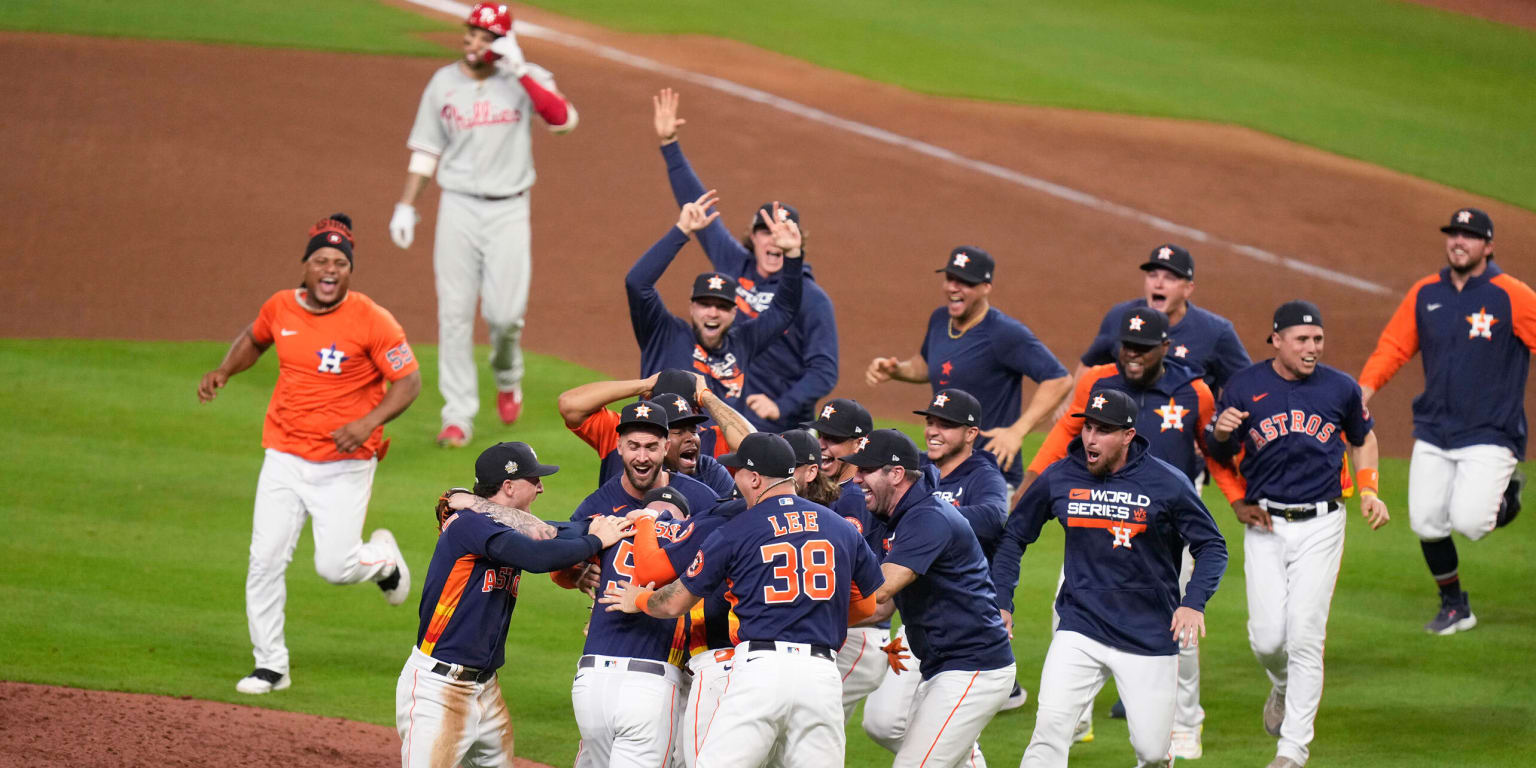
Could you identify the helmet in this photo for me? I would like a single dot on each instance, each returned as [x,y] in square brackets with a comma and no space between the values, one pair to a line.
[495,18]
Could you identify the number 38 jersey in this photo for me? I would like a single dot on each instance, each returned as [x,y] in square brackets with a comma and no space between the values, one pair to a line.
[789,566]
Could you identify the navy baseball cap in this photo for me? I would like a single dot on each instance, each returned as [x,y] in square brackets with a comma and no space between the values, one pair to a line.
[807,449]
[1110,407]
[1173,258]
[841,419]
[884,448]
[969,264]
[680,412]
[786,211]
[509,461]
[1144,326]
[644,414]
[764,453]
[669,495]
[1471,221]
[1297,312]
[674,381]
[955,406]
[715,285]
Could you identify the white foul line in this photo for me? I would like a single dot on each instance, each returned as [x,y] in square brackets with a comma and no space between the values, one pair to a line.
[923,148]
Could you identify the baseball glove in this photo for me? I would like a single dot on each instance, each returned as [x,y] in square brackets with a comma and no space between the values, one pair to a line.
[443,510]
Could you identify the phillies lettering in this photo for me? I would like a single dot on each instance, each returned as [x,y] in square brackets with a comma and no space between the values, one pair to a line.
[482,113]
[1287,422]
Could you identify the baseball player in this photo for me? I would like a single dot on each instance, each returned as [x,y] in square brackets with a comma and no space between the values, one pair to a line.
[626,691]
[1290,417]
[810,483]
[936,575]
[712,341]
[1477,328]
[585,413]
[970,345]
[449,708]
[800,574]
[1126,516]
[788,376]
[472,130]
[324,436]
[1197,338]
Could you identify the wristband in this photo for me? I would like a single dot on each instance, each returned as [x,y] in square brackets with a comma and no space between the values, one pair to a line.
[1368,480]
[644,599]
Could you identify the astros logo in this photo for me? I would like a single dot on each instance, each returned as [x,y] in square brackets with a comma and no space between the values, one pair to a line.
[1136,323]
[863,442]
[1164,253]
[827,411]
[1482,324]
[1123,535]
[697,564]
[1463,217]
[643,411]
[682,405]
[939,401]
[330,359]
[962,259]
[1173,416]
[1181,351]
[716,282]
[1098,403]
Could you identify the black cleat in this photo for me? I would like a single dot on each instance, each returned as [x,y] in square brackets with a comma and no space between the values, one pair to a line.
[1511,505]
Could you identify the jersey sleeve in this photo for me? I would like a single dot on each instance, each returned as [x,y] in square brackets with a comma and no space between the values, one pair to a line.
[866,576]
[1221,472]
[1522,303]
[933,319]
[600,430]
[1019,349]
[818,325]
[508,547]
[1228,357]
[1357,418]
[1020,530]
[1101,351]
[919,541]
[710,565]
[985,505]
[725,253]
[261,327]
[1399,341]
[387,347]
[768,326]
[647,312]
[1206,544]
[652,563]
[1068,426]
[540,86]
[427,134]
[1224,450]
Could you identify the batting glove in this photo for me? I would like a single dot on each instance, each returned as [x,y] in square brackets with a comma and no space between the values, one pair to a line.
[896,653]
[402,225]
[511,55]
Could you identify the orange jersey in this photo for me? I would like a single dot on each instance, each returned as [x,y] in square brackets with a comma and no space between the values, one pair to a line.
[331,371]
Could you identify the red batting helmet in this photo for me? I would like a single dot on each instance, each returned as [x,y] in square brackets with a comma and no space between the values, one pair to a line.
[495,18]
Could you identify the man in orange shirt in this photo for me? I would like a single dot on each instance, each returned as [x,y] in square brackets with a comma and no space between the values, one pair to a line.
[323,436]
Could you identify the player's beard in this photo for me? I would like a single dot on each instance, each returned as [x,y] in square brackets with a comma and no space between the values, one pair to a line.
[643,482]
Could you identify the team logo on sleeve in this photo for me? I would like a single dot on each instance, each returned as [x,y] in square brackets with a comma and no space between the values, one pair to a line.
[330,359]
[697,565]
[1173,416]
[1482,324]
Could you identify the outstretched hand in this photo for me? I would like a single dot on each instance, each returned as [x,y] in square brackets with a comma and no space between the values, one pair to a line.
[697,214]
[785,232]
[1004,444]
[881,370]
[664,113]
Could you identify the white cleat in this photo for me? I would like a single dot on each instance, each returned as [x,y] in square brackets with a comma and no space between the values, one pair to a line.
[261,681]
[400,576]
[1186,743]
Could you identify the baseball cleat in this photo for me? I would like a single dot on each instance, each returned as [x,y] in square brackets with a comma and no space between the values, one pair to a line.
[1017,698]
[1511,505]
[1117,710]
[1274,712]
[396,584]
[1186,743]
[1083,732]
[1283,762]
[509,405]
[261,681]
[452,436]
[1455,616]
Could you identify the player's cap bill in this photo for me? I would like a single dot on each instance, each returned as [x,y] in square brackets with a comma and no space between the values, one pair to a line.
[680,412]
[885,448]
[955,406]
[807,449]
[669,495]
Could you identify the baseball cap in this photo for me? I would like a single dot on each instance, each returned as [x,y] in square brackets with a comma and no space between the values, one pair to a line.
[764,453]
[969,264]
[643,414]
[1297,312]
[1110,407]
[680,412]
[1145,326]
[883,448]
[674,381]
[842,418]
[1471,221]
[715,285]
[509,461]
[1172,258]
[669,495]
[807,450]
[955,406]
[786,211]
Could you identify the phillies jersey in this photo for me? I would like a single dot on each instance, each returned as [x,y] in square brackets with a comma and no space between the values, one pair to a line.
[668,341]
[1125,536]
[1477,346]
[1292,442]
[789,566]
[331,371]
[800,368]
[478,130]
[471,586]
[1201,339]
[950,612]
[978,492]
[600,431]
[988,361]
[634,635]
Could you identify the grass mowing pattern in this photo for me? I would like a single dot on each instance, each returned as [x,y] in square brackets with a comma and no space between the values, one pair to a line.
[128,513]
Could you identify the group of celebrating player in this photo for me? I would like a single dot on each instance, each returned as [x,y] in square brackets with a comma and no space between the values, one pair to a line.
[747,551]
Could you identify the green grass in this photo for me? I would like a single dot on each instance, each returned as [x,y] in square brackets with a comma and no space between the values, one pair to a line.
[128,517]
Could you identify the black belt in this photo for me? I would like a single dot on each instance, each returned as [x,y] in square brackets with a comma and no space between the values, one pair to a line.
[768,645]
[1297,512]
[634,665]
[494,198]
[465,673]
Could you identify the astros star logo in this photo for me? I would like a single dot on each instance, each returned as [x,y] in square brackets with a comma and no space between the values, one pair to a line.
[827,411]
[940,400]
[1098,403]
[1463,217]
[330,359]
[1482,324]
[1136,323]
[716,282]
[863,443]
[946,368]
[643,411]
[682,405]
[1123,535]
[1173,416]
[1181,351]
[1164,253]
[962,259]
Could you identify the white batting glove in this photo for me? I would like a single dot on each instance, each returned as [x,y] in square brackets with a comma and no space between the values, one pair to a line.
[402,225]
[511,55]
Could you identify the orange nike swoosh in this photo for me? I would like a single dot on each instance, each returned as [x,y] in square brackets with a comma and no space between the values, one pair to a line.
[1257,398]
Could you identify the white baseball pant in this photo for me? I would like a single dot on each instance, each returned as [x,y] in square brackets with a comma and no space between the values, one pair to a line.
[482,250]
[779,706]
[445,723]
[861,665]
[1456,490]
[627,719]
[711,670]
[948,713]
[888,710]
[334,496]
[1075,669]
[1291,572]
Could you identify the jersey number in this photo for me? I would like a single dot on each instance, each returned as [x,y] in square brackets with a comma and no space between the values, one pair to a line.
[623,563]
[811,570]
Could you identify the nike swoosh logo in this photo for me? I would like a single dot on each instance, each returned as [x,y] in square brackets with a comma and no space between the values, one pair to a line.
[287,332]
[1257,398]
[621,508]
[1431,307]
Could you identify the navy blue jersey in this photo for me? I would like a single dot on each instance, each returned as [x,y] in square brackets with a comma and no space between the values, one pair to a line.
[950,611]
[622,634]
[1477,345]
[980,494]
[989,361]
[1125,538]
[852,508]
[798,369]
[711,625]
[668,341]
[789,564]
[1292,442]
[1202,340]
[470,591]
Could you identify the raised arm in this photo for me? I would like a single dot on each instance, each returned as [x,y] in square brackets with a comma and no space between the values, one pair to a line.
[774,320]
[820,377]
[579,403]
[724,252]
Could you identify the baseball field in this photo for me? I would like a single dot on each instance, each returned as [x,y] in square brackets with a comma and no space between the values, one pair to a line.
[166,158]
